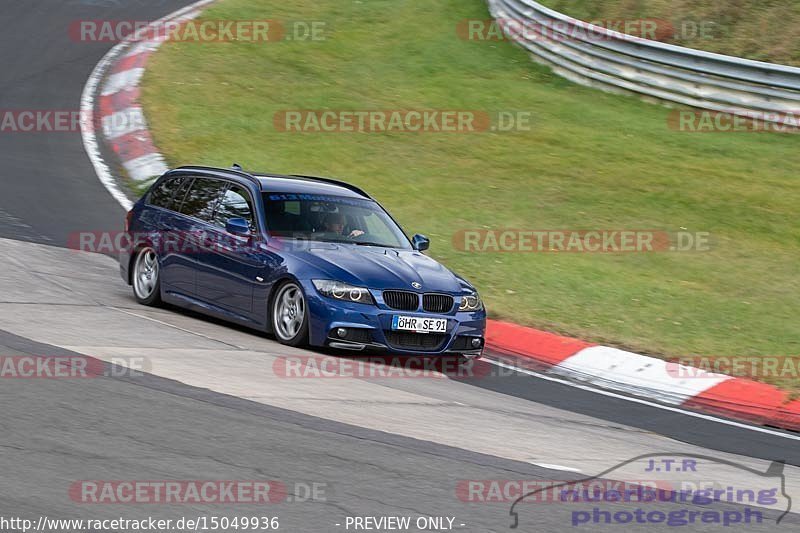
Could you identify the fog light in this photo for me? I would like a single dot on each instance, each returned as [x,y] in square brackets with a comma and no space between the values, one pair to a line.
[476,342]
[341,333]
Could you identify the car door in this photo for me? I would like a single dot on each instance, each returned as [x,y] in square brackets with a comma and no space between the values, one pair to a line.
[177,262]
[189,230]
[228,268]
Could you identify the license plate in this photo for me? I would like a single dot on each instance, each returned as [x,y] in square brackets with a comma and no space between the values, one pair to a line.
[419,324]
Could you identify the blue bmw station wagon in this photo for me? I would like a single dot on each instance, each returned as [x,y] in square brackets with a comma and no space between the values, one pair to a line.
[311,260]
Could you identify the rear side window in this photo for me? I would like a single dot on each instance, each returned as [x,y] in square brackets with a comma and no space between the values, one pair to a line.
[202,198]
[180,194]
[235,204]
[164,194]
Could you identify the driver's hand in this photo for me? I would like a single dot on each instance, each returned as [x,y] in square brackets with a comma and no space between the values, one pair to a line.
[356,233]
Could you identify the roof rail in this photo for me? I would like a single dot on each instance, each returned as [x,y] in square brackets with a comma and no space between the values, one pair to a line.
[333,182]
[235,169]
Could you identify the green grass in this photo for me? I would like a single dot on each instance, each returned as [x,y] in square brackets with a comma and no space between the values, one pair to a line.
[755,29]
[591,160]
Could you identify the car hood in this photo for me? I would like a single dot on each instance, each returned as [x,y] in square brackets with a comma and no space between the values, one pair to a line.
[380,268]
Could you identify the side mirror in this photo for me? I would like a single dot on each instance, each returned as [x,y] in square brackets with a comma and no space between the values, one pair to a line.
[238,226]
[420,242]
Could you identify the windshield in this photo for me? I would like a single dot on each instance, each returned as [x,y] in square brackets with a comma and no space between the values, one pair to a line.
[331,219]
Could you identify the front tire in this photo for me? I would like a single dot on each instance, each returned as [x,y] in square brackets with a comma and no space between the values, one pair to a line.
[290,315]
[146,277]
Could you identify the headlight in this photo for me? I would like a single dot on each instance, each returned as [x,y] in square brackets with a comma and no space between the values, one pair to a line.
[342,291]
[471,302]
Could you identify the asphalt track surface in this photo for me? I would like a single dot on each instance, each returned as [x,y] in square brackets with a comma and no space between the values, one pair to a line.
[210,405]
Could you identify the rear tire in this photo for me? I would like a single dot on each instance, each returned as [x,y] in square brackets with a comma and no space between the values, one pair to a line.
[146,277]
[289,315]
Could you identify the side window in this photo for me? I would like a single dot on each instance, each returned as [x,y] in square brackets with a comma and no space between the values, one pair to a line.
[180,194]
[163,194]
[292,207]
[235,204]
[202,198]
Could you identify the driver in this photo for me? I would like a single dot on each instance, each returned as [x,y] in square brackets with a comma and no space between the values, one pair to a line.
[334,223]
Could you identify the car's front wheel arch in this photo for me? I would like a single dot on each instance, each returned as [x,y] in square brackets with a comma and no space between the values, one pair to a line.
[301,337]
[271,297]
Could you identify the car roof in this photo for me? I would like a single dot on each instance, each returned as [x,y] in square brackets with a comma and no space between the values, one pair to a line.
[306,185]
[286,183]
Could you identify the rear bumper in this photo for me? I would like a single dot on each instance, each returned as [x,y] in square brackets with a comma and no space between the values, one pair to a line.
[368,327]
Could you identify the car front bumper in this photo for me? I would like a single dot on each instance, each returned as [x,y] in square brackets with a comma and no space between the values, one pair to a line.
[368,327]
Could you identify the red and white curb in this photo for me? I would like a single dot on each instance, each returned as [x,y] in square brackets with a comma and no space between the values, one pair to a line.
[124,128]
[112,94]
[646,377]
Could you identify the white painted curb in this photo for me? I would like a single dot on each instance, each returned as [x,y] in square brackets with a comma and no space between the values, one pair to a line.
[143,166]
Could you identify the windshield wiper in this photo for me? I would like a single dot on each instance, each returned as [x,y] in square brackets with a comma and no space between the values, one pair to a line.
[366,243]
[359,243]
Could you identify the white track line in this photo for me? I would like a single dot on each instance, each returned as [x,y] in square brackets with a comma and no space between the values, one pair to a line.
[558,467]
[88,122]
[88,133]
[610,394]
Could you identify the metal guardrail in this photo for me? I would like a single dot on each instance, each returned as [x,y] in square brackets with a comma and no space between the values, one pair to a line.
[595,56]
